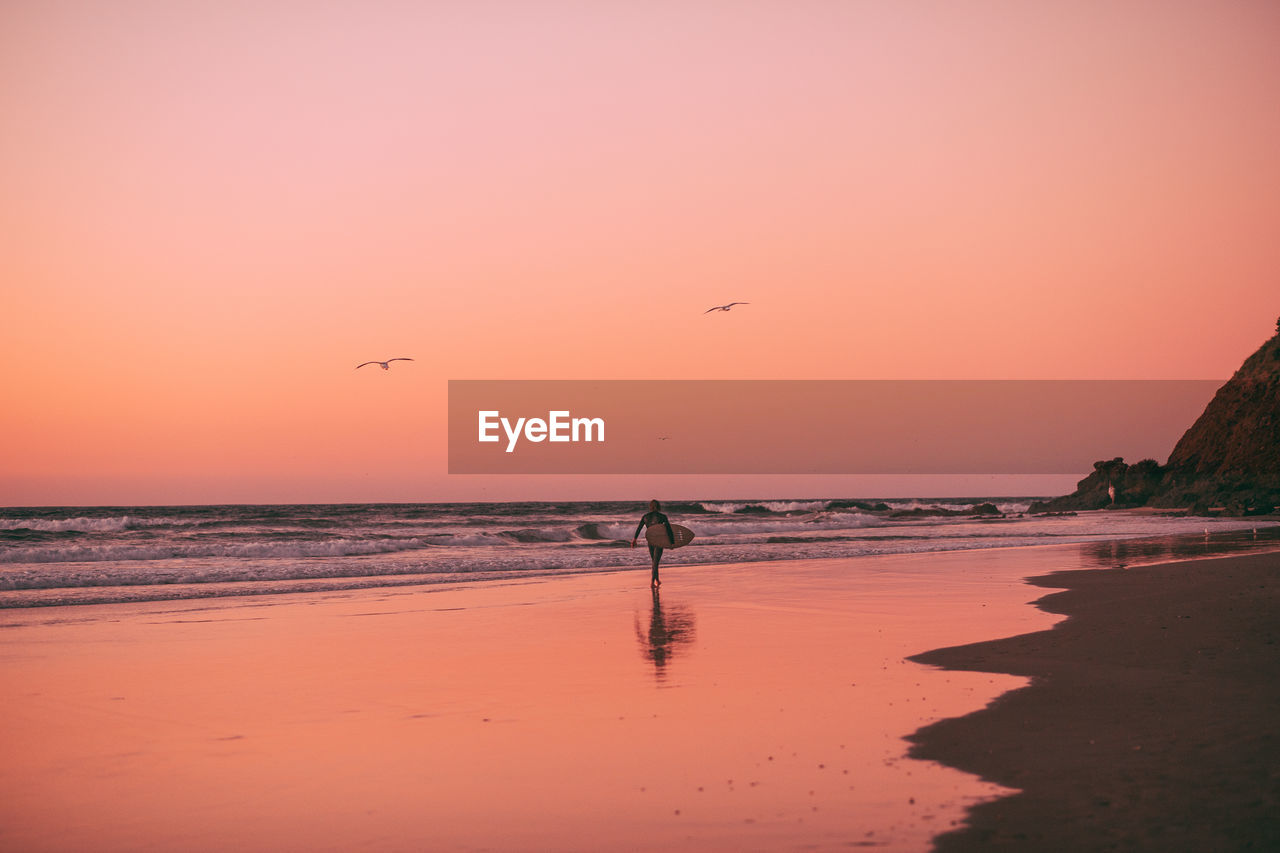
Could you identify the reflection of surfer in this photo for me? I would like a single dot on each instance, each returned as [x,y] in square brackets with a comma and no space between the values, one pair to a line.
[667,632]
[649,519]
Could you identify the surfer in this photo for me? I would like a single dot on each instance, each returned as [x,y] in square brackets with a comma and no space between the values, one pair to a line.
[649,519]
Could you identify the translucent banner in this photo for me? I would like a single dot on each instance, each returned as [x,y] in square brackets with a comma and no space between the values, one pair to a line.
[814,426]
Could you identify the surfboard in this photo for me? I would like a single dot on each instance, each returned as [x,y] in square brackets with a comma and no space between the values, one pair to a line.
[657,536]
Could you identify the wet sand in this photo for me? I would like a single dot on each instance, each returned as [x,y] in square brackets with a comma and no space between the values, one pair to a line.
[749,707]
[1152,722]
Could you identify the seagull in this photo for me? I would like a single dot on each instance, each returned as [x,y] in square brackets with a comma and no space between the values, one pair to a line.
[385,365]
[724,307]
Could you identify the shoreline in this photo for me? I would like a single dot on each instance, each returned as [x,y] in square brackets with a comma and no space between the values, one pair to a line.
[1130,549]
[1150,720]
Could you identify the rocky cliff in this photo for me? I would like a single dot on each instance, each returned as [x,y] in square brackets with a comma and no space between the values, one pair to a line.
[1230,456]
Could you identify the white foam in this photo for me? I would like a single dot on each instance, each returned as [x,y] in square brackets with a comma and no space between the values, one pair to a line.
[748,524]
[1011,507]
[772,506]
[105,553]
[111,524]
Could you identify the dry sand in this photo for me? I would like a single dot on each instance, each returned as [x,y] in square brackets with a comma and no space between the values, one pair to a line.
[1152,722]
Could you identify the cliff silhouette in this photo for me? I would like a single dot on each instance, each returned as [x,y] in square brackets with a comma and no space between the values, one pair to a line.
[1230,457]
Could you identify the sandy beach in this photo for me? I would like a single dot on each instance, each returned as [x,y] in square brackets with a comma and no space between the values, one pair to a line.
[1151,720]
[759,706]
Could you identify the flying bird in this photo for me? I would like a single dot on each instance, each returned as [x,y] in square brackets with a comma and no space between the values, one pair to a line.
[724,307]
[385,365]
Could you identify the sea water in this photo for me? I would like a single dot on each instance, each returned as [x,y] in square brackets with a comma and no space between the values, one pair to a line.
[81,555]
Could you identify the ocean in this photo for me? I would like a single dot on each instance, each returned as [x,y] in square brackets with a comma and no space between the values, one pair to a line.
[53,556]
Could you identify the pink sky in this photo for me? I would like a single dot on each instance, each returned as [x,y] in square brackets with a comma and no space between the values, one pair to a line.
[212,211]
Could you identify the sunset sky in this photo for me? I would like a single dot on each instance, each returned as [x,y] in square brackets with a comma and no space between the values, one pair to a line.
[212,211]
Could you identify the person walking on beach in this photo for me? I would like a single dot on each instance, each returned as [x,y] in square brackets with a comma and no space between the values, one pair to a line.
[649,519]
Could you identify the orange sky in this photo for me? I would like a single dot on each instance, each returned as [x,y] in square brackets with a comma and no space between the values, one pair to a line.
[212,211]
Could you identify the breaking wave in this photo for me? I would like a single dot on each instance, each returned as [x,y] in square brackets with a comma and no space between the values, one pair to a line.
[52,556]
[83,524]
[257,550]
